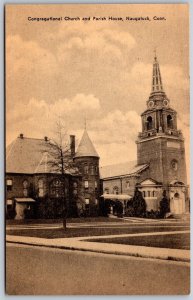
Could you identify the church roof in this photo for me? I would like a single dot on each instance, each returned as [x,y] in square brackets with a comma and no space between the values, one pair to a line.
[122,169]
[28,156]
[86,147]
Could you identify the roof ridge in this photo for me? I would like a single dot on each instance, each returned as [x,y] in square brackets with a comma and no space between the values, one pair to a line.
[128,161]
[30,138]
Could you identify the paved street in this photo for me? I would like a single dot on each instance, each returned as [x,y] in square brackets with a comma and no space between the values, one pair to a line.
[88,264]
[44,271]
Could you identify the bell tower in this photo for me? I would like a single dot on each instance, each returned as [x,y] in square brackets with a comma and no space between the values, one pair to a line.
[160,144]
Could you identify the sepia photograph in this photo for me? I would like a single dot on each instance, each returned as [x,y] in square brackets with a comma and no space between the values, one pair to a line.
[97,164]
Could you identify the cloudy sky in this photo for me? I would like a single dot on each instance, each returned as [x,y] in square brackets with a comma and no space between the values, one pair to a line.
[98,70]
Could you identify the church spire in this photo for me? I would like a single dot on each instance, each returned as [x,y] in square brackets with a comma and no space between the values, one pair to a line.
[156,80]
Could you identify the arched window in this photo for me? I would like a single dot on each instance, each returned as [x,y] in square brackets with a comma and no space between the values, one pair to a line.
[40,188]
[56,188]
[176,195]
[25,188]
[169,121]
[149,123]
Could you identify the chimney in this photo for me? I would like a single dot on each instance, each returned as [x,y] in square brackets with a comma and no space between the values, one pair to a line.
[21,135]
[72,145]
[45,138]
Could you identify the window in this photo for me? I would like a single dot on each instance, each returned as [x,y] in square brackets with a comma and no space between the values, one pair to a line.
[106,191]
[75,192]
[149,194]
[86,184]
[154,193]
[144,194]
[95,183]
[169,121]
[149,123]
[116,190]
[174,164]
[85,169]
[25,188]
[96,170]
[9,184]
[75,185]
[41,188]
[56,188]
[87,201]
[92,170]
[127,184]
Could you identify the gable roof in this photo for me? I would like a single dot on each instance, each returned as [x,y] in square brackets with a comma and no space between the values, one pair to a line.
[86,147]
[24,155]
[149,182]
[29,156]
[123,169]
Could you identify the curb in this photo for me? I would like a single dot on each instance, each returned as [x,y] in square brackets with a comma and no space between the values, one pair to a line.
[102,251]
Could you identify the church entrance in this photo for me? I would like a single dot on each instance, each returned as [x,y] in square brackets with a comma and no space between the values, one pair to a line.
[177,204]
[177,200]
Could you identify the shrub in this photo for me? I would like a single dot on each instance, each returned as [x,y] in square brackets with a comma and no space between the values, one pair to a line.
[164,207]
[130,212]
[152,214]
[139,204]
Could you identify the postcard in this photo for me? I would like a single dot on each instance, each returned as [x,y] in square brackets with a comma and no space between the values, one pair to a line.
[97,181]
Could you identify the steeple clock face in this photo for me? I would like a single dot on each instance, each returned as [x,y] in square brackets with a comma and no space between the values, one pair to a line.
[151,104]
[165,103]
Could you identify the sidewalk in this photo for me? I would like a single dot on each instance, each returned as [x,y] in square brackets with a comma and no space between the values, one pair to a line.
[82,244]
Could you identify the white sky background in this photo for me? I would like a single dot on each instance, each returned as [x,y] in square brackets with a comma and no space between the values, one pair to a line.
[101,70]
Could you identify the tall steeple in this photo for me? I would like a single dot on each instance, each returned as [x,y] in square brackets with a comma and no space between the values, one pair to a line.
[156,81]
[158,97]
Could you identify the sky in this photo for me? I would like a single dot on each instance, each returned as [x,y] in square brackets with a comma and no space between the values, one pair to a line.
[98,70]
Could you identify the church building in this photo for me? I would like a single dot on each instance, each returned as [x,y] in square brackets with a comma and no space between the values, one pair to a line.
[160,164]
[35,189]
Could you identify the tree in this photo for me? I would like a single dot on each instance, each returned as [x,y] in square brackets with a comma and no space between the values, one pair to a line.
[138,203]
[60,161]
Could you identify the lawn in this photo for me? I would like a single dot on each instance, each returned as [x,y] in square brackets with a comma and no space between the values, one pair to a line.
[51,233]
[177,241]
[69,220]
